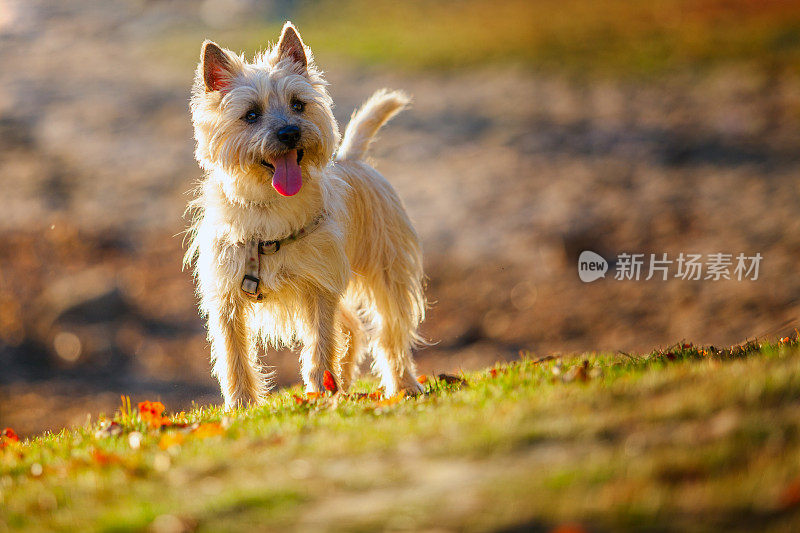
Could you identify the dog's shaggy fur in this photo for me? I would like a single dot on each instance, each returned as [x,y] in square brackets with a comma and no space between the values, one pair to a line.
[352,285]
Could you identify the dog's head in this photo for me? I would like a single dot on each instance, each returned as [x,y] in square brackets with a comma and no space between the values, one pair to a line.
[267,122]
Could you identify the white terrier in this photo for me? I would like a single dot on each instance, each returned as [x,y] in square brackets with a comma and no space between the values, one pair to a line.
[290,244]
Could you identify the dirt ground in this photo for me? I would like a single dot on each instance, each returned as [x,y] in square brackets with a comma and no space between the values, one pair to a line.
[508,174]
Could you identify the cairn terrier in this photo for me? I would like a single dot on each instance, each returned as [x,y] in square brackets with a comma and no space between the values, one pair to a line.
[296,240]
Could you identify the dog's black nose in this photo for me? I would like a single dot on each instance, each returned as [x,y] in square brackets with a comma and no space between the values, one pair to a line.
[289,135]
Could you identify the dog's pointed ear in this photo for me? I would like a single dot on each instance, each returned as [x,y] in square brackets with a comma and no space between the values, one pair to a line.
[218,67]
[291,45]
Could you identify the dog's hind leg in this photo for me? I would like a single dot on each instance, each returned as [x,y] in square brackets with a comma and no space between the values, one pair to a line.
[391,348]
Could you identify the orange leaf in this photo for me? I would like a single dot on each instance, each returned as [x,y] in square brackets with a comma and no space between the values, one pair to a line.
[391,401]
[329,382]
[313,396]
[156,408]
[170,439]
[374,396]
[423,379]
[299,400]
[493,372]
[8,436]
[212,429]
[152,413]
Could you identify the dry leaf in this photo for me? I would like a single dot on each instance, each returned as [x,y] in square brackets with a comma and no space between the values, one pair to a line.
[152,413]
[451,379]
[391,401]
[329,382]
[211,429]
[299,400]
[8,436]
[579,373]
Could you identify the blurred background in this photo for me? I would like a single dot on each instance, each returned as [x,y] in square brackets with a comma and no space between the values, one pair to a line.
[539,129]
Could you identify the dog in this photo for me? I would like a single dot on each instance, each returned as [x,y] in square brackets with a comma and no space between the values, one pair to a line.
[295,239]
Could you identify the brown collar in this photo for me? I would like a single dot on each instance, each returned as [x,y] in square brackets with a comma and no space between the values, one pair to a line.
[256,248]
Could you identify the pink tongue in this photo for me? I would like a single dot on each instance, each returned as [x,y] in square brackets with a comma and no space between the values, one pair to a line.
[287,178]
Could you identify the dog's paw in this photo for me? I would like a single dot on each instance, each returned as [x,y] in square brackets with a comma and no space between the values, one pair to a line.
[243,399]
[408,386]
[412,389]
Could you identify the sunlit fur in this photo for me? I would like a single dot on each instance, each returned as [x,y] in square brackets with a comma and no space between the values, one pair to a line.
[353,285]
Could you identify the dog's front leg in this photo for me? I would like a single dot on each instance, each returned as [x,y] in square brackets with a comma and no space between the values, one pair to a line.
[232,350]
[321,342]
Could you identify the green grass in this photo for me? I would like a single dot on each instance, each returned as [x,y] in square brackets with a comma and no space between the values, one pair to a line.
[586,37]
[684,438]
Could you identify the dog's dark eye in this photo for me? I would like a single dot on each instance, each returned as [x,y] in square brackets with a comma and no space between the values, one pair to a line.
[298,106]
[251,116]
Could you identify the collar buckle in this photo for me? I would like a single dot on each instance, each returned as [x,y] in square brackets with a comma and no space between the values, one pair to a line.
[250,285]
[268,247]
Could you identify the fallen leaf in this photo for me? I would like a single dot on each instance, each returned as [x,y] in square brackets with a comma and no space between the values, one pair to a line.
[451,379]
[313,396]
[299,400]
[211,429]
[423,379]
[493,372]
[170,439]
[373,396]
[8,436]
[580,373]
[152,413]
[391,401]
[329,382]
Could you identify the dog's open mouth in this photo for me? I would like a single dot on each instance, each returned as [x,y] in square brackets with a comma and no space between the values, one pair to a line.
[287,178]
[272,167]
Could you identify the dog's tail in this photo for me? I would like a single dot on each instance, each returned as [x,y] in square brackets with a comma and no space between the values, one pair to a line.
[366,122]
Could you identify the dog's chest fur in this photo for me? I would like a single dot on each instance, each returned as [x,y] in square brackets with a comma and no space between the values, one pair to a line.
[317,257]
